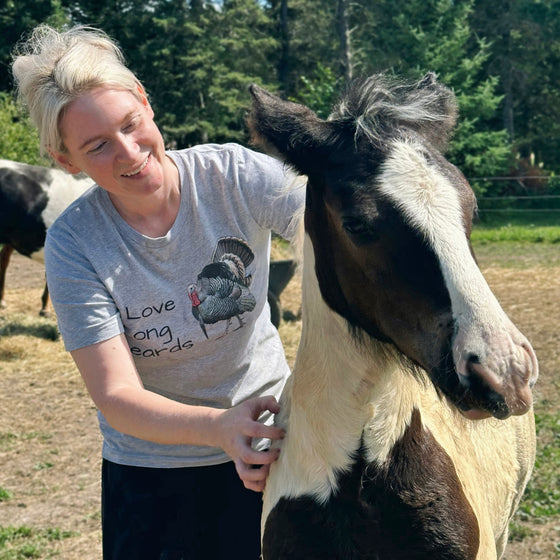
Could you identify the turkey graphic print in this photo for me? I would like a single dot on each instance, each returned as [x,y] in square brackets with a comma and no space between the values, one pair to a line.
[221,292]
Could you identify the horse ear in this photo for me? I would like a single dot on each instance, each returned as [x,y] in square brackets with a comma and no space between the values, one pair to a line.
[289,130]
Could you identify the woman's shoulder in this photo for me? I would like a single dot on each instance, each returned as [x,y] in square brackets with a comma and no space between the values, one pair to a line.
[80,213]
[229,151]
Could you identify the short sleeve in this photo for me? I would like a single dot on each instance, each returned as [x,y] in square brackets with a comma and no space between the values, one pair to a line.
[274,194]
[84,307]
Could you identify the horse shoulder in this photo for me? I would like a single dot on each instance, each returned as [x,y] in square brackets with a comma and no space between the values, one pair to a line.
[410,506]
[492,488]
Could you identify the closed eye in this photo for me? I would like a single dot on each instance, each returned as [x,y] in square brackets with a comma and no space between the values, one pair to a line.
[97,148]
[354,226]
[360,230]
[130,126]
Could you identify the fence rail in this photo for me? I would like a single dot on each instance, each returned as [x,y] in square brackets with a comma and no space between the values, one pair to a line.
[519,203]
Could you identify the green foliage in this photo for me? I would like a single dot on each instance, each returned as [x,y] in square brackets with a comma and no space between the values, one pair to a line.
[19,140]
[525,54]
[5,495]
[197,57]
[20,543]
[312,40]
[542,497]
[320,92]
[237,52]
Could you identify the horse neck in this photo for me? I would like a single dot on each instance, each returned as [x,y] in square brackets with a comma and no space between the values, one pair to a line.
[338,385]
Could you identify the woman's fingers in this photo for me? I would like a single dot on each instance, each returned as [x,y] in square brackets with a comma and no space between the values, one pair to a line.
[253,476]
[256,458]
[240,425]
[260,404]
[258,430]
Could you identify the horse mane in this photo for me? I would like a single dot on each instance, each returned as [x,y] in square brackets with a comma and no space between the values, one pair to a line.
[379,106]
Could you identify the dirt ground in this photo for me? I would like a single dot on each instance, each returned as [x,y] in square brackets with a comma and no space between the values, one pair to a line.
[50,445]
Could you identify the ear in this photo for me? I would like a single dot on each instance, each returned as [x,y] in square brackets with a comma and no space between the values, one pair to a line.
[64,162]
[142,93]
[290,130]
[144,99]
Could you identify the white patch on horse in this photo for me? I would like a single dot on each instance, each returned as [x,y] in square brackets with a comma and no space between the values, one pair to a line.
[432,205]
[62,190]
[327,424]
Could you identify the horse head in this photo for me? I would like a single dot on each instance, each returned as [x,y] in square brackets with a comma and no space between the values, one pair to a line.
[390,221]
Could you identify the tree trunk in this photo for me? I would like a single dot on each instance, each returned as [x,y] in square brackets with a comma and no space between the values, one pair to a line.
[507,73]
[508,101]
[283,65]
[197,5]
[344,39]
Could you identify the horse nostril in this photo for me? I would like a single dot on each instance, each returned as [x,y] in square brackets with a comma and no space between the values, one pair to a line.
[473,359]
[478,384]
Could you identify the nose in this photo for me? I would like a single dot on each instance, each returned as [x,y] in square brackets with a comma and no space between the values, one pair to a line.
[128,148]
[502,393]
[483,388]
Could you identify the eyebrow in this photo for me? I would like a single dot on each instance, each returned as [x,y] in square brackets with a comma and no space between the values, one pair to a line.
[94,139]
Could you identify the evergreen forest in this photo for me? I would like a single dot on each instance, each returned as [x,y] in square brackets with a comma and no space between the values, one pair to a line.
[196,59]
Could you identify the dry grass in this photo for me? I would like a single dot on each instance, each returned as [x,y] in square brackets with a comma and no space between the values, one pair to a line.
[49,442]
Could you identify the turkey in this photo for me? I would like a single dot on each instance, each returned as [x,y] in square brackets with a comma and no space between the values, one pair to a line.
[222,289]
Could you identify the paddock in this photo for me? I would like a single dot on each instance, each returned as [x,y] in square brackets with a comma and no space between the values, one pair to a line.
[49,436]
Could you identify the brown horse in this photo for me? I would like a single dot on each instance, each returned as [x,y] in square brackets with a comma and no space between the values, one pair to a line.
[410,432]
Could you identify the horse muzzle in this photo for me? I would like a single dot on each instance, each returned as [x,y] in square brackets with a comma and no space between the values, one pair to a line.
[498,385]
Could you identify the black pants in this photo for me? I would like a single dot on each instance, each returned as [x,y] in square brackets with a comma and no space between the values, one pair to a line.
[198,513]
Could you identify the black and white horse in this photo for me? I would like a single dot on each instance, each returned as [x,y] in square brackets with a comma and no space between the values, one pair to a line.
[31,198]
[410,431]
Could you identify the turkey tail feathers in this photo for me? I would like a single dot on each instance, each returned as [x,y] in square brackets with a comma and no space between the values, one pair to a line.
[233,245]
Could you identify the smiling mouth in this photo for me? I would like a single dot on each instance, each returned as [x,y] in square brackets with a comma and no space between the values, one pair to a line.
[138,170]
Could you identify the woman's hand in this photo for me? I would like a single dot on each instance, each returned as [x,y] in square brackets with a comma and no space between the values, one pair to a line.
[238,426]
[115,386]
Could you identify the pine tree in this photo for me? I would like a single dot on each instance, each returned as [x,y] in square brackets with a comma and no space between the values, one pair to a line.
[17,19]
[524,38]
[413,37]
[309,37]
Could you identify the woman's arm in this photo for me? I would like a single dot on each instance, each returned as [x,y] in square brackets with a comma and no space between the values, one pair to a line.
[113,382]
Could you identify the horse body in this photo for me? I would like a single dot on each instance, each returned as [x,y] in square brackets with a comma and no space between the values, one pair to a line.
[347,407]
[31,198]
[409,427]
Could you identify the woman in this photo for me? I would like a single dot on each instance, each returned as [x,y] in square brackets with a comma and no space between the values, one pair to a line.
[158,276]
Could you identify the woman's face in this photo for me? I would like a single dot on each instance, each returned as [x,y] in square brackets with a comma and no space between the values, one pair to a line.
[111,136]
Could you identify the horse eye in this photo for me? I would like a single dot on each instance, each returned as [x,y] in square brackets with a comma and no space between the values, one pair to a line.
[361,230]
[353,225]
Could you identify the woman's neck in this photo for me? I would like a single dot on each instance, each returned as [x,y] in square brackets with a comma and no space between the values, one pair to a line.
[153,215]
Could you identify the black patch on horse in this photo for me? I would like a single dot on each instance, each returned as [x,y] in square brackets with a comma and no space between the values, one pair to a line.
[410,508]
[22,201]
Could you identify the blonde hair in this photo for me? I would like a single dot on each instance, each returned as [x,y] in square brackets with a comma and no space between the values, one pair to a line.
[51,69]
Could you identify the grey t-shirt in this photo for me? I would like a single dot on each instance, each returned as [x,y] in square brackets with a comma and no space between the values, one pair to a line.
[192,304]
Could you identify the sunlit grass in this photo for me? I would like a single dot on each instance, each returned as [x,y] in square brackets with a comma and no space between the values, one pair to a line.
[19,543]
[542,497]
[516,233]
